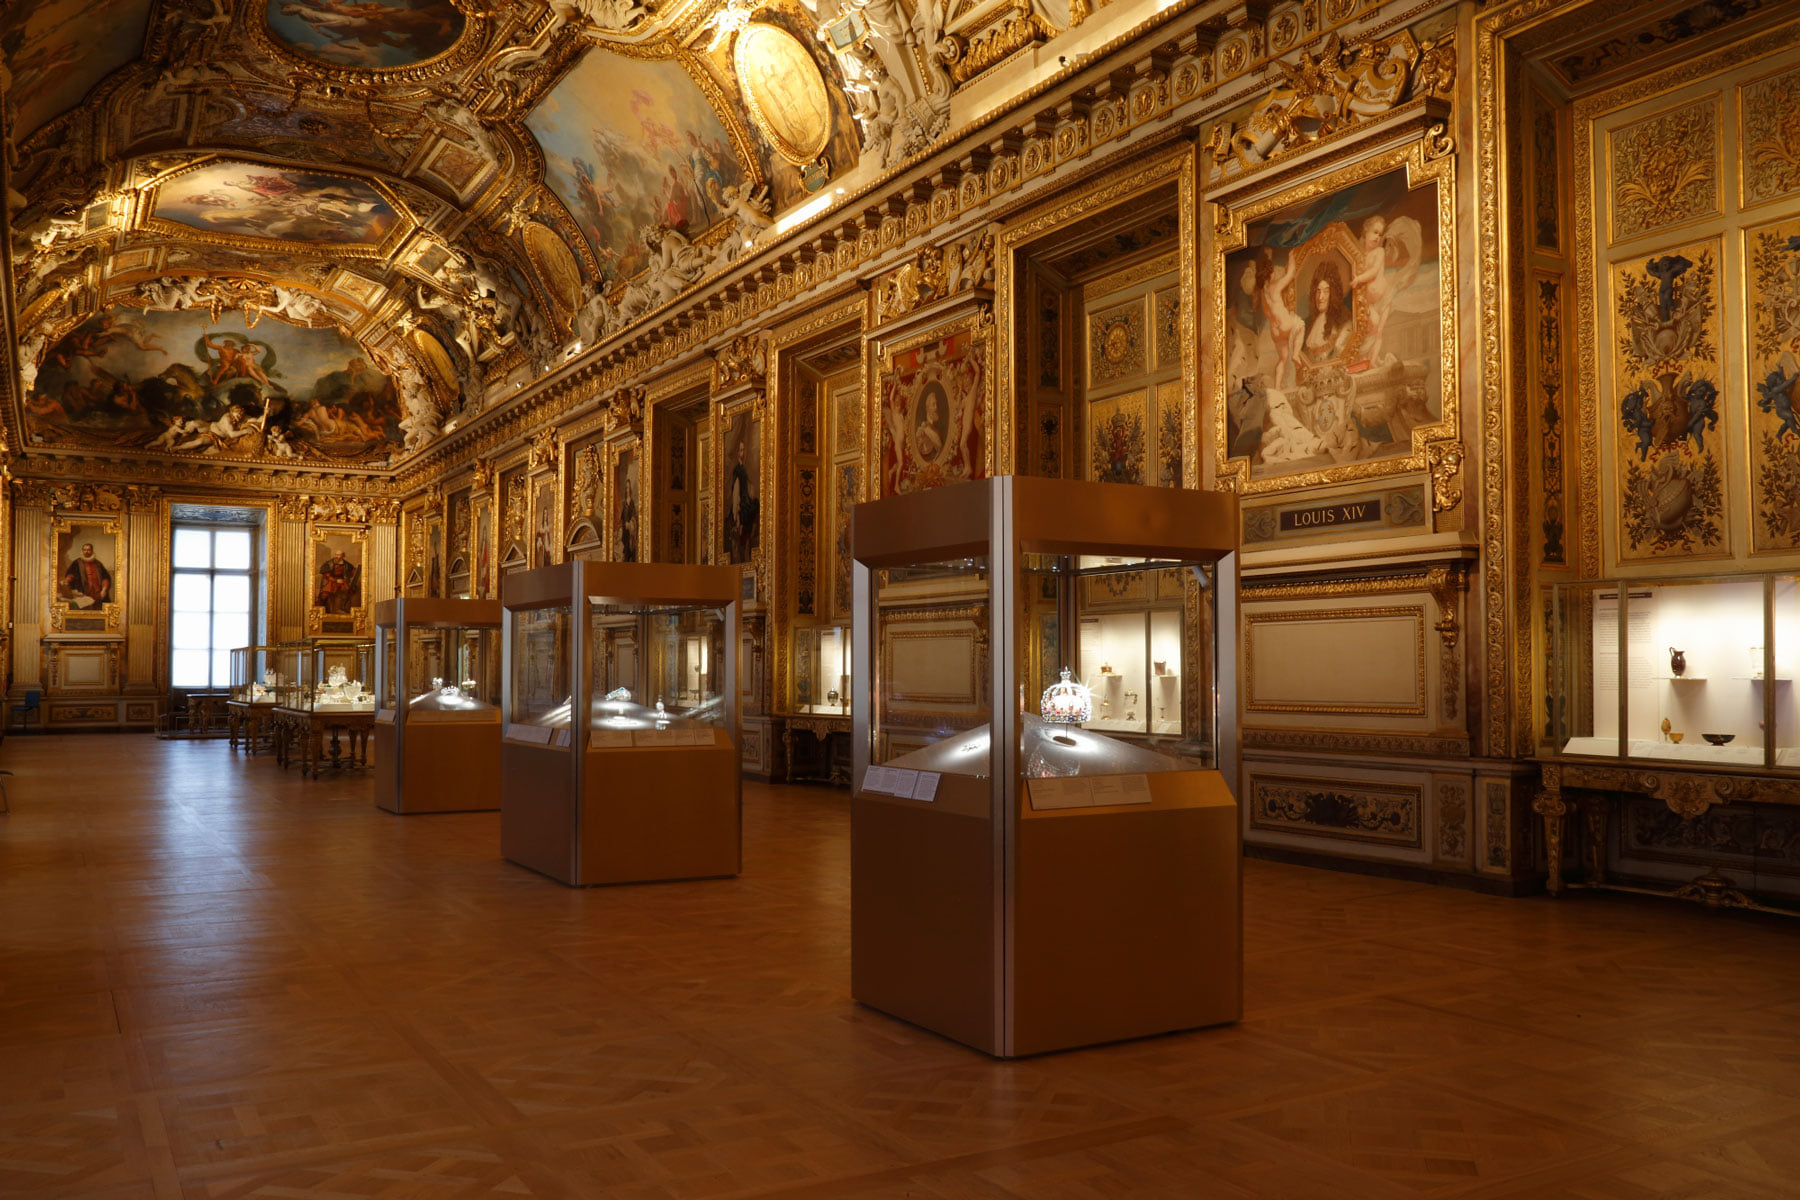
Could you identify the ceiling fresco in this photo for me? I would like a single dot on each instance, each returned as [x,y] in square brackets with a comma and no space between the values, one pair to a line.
[184,383]
[253,200]
[629,145]
[370,34]
[57,50]
[457,194]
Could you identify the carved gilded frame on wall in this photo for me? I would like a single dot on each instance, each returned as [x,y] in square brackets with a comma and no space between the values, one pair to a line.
[1423,168]
[883,353]
[1175,165]
[61,610]
[318,621]
[756,404]
[611,450]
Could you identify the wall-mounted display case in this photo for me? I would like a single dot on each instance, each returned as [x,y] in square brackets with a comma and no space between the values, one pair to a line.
[437,711]
[1042,857]
[620,748]
[1696,670]
[822,670]
[324,688]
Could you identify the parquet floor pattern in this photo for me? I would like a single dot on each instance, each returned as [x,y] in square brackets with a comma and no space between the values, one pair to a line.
[218,980]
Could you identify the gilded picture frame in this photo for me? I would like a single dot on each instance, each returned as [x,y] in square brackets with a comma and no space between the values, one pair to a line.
[74,608]
[325,616]
[917,443]
[742,423]
[1232,243]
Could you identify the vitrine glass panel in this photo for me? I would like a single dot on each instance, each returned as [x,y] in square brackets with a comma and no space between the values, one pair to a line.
[540,686]
[1136,636]
[388,648]
[253,674]
[931,690]
[340,677]
[451,672]
[1692,670]
[653,665]
[822,670]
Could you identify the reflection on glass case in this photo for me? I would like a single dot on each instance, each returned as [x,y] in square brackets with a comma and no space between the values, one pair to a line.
[1036,716]
[1699,670]
[437,719]
[621,722]
[253,675]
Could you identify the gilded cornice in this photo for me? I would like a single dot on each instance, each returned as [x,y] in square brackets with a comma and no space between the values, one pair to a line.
[236,477]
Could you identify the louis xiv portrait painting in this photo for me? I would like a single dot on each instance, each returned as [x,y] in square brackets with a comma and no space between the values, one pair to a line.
[1331,328]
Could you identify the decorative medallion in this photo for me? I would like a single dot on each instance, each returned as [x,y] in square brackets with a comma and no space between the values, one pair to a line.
[434,354]
[783,90]
[1665,169]
[556,263]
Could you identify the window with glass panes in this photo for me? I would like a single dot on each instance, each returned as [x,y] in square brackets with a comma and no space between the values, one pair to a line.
[212,591]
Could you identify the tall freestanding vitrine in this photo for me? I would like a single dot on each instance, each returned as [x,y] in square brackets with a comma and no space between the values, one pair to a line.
[437,705]
[619,761]
[1044,837]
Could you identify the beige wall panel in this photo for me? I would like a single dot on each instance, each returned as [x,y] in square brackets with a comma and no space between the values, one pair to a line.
[30,526]
[1363,661]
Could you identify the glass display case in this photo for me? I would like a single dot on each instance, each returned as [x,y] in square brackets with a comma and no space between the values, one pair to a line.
[324,703]
[822,670]
[1697,669]
[254,684]
[1044,848]
[437,711]
[620,740]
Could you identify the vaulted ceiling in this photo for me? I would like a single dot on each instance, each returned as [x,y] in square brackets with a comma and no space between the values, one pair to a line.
[319,230]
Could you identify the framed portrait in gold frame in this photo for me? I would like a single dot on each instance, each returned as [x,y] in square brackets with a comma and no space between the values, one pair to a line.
[741,477]
[1335,313]
[87,574]
[337,586]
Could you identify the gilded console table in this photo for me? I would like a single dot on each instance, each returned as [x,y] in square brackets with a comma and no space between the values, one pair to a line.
[1584,789]
[819,764]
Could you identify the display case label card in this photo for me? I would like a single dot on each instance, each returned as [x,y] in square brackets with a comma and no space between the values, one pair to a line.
[894,781]
[1111,791]
[875,779]
[529,733]
[1048,795]
[656,737]
[700,735]
[610,739]
[927,785]
[561,737]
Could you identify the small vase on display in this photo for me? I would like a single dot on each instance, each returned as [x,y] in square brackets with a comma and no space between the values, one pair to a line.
[1677,662]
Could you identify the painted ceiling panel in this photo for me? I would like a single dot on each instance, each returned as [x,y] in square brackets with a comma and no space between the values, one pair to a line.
[58,50]
[255,200]
[630,144]
[367,34]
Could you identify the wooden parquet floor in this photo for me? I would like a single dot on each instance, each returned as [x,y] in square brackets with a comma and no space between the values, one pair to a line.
[218,980]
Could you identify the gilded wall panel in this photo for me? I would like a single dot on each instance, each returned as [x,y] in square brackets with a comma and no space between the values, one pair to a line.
[1668,367]
[1772,283]
[30,528]
[1664,170]
[1118,441]
[1117,343]
[1769,137]
[1368,661]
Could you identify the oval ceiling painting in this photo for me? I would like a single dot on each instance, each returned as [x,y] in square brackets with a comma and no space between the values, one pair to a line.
[366,34]
[785,91]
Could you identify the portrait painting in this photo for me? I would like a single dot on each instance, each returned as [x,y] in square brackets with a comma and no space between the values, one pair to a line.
[1331,321]
[933,405]
[481,518]
[57,50]
[740,515]
[254,200]
[180,383]
[337,574]
[543,517]
[368,34]
[625,505]
[87,562]
[630,144]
